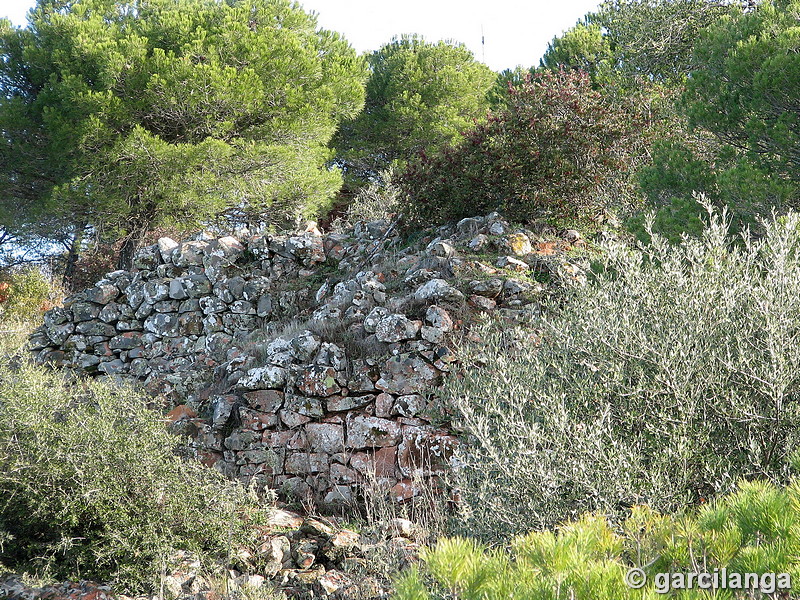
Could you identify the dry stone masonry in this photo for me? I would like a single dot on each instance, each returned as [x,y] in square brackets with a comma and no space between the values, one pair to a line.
[306,362]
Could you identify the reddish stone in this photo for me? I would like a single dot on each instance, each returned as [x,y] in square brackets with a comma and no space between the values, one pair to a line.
[318,381]
[341,474]
[403,491]
[209,459]
[298,442]
[385,462]
[380,464]
[550,248]
[181,412]
[269,401]
[383,405]
[278,439]
[256,421]
[424,452]
[103,349]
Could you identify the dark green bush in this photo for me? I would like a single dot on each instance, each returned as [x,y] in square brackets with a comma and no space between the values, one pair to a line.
[673,219]
[675,172]
[755,530]
[92,485]
[671,376]
[680,171]
[552,148]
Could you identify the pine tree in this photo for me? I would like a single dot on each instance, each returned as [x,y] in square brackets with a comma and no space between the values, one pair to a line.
[129,115]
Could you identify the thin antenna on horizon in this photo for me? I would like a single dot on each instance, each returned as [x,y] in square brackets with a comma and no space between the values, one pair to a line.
[483,46]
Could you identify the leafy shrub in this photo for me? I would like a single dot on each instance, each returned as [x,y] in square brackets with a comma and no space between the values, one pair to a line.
[671,376]
[551,148]
[93,485]
[25,294]
[378,200]
[756,530]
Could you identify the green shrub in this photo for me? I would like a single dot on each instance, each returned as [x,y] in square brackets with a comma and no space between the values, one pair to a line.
[551,148]
[93,485]
[378,200]
[25,294]
[669,377]
[756,530]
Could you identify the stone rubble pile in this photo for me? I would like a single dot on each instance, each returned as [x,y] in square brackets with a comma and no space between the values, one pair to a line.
[306,362]
[310,558]
[301,557]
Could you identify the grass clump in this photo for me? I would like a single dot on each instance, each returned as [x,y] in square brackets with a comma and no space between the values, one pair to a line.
[670,377]
[753,533]
[92,485]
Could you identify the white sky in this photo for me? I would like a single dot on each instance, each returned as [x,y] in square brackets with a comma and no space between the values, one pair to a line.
[516,31]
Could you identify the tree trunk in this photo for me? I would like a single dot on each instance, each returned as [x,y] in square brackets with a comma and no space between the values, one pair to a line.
[130,244]
[73,255]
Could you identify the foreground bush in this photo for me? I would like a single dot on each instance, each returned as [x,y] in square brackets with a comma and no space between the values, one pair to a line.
[91,486]
[552,148]
[674,374]
[755,531]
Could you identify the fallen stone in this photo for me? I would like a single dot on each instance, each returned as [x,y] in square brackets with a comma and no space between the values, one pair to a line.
[438,290]
[517,243]
[375,316]
[482,303]
[512,264]
[438,317]
[489,288]
[396,328]
[469,227]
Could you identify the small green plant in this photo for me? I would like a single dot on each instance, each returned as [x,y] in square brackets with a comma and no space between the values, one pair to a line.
[753,531]
[93,485]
